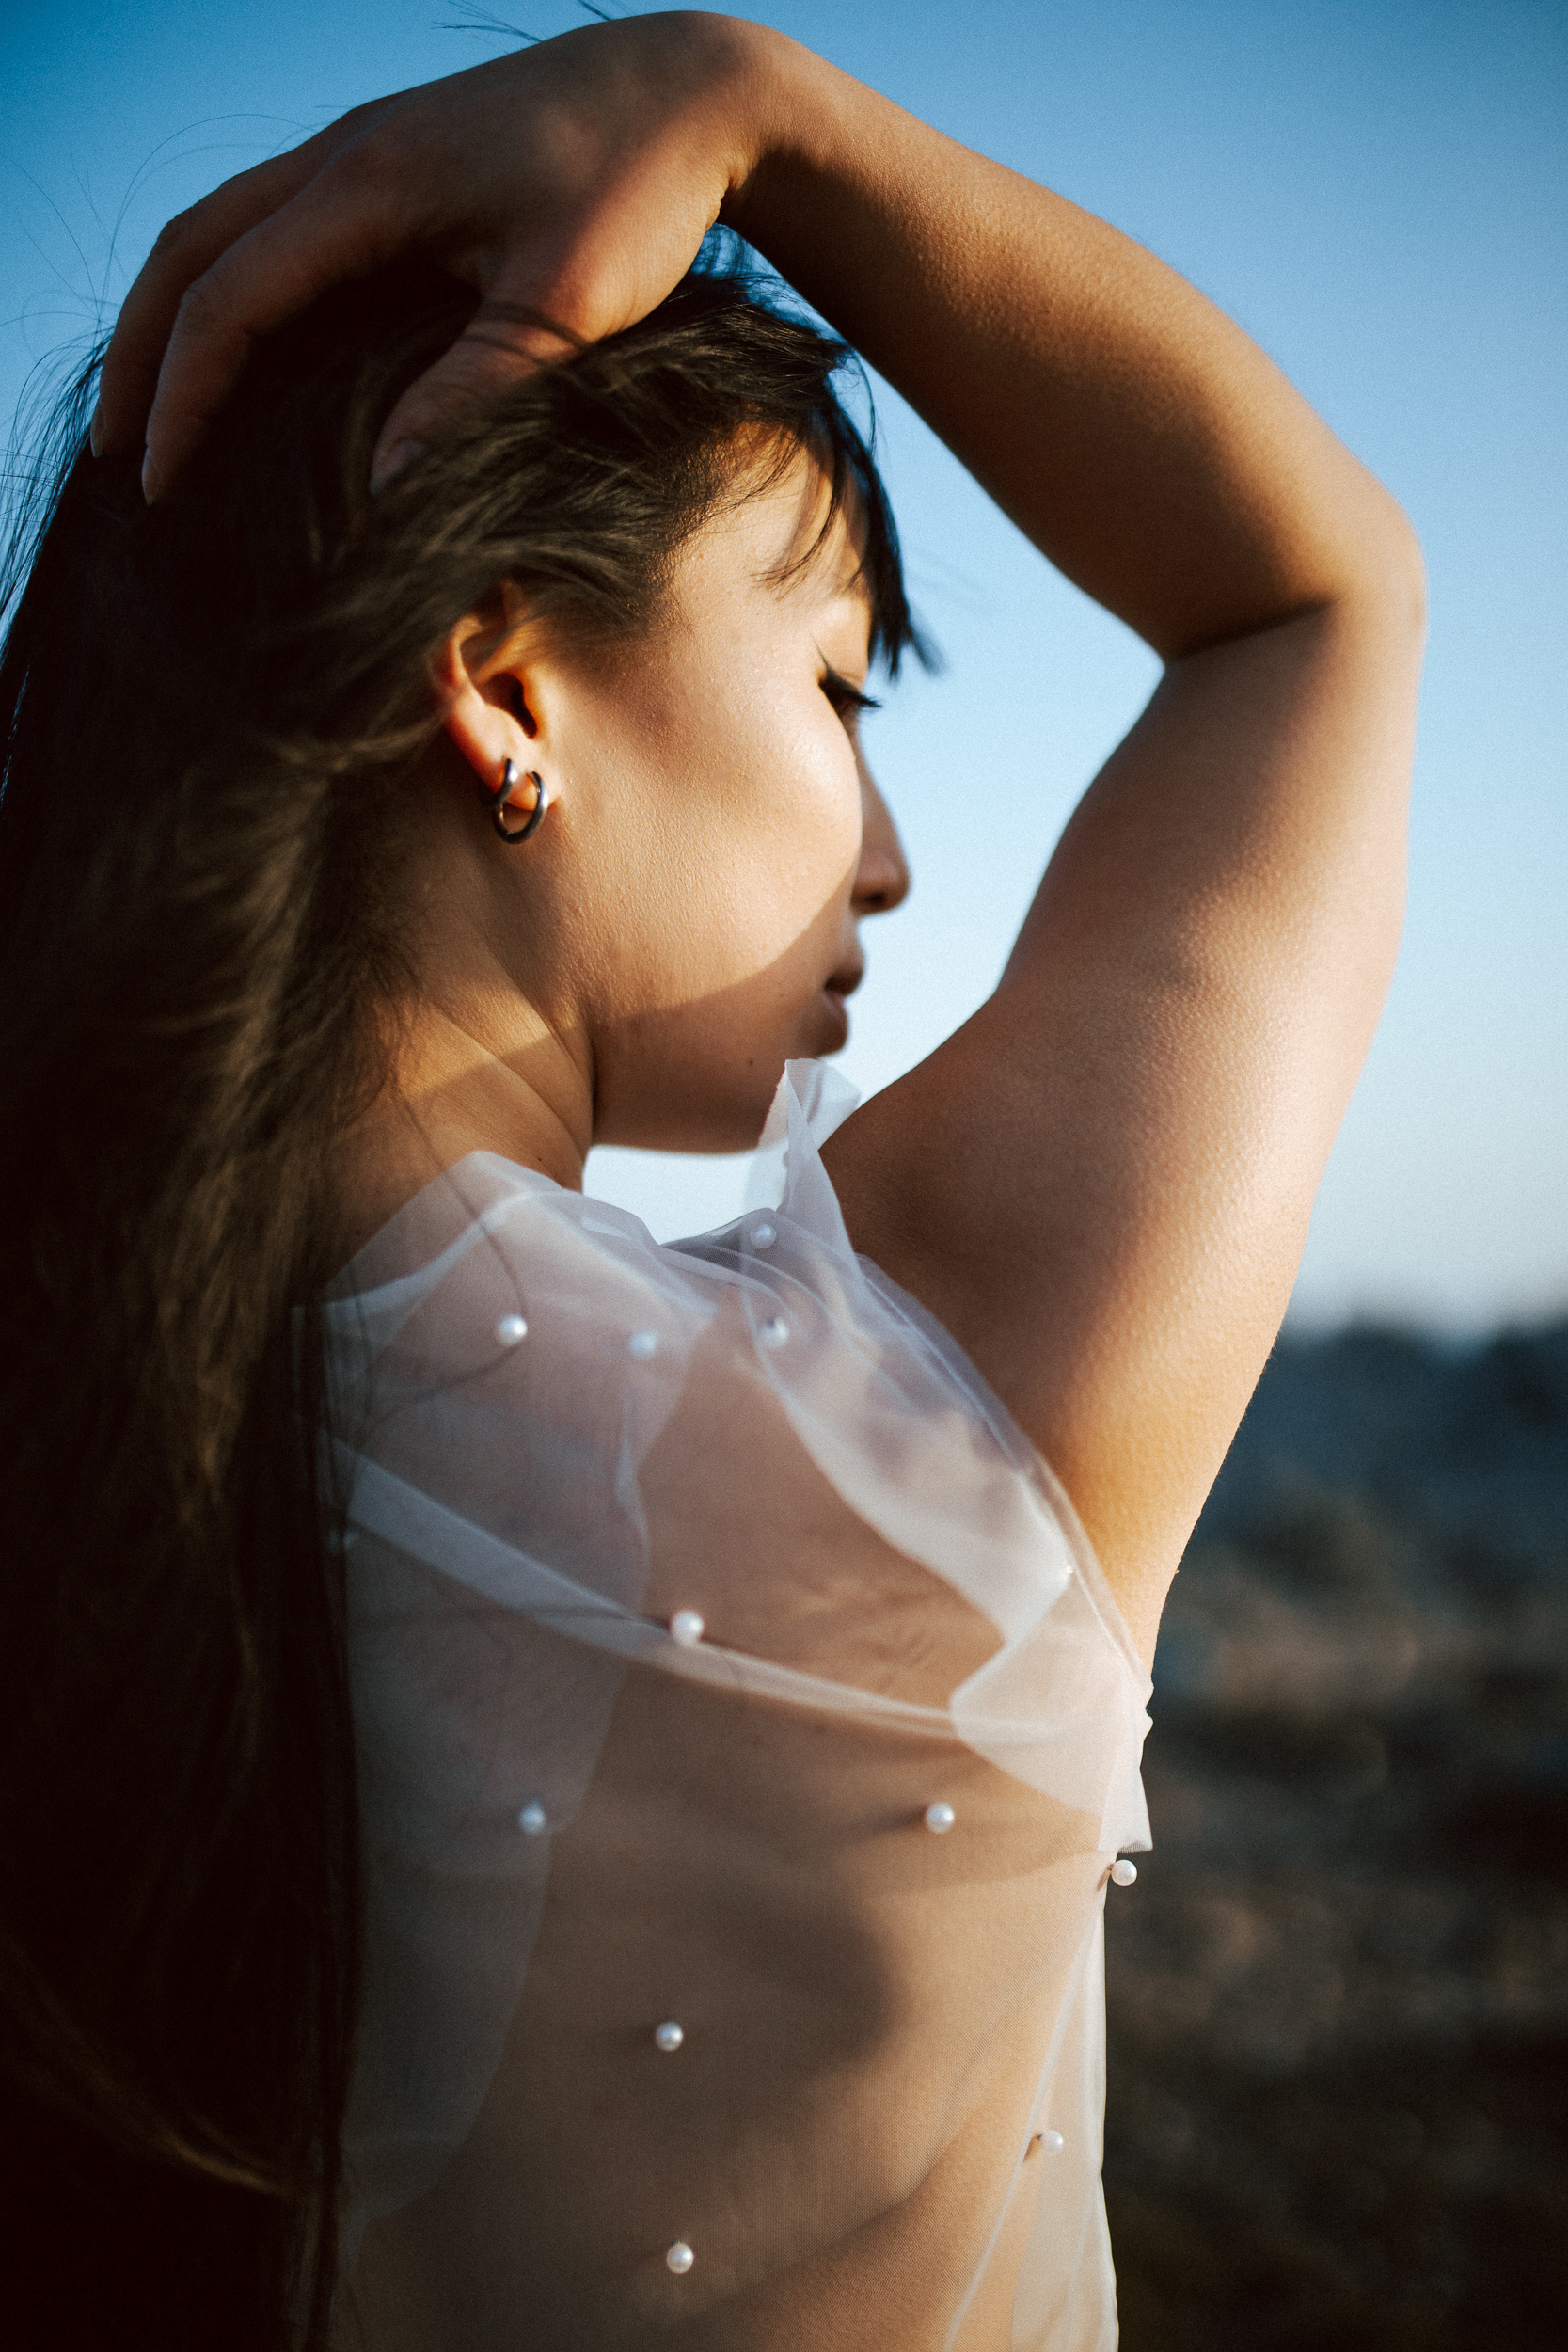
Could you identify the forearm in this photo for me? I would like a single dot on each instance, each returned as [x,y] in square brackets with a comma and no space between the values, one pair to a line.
[1143,442]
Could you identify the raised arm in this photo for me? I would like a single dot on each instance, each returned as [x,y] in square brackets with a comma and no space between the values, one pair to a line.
[1101,1183]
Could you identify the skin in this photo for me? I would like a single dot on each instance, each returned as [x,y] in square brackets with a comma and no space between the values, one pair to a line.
[685,919]
[1101,1182]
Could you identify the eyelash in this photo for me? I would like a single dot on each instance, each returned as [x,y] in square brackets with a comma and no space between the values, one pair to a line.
[846,699]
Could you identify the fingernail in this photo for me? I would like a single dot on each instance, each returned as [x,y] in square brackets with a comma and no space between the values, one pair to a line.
[95,431]
[401,454]
[150,485]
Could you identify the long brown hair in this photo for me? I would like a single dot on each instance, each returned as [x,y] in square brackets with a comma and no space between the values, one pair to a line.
[212,717]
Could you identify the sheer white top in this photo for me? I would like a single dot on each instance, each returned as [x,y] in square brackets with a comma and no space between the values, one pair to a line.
[725,1660]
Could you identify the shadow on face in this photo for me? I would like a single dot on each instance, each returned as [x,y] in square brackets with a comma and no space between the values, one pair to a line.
[686,918]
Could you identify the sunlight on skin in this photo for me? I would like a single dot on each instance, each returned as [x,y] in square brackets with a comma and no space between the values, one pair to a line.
[685,917]
[1100,1184]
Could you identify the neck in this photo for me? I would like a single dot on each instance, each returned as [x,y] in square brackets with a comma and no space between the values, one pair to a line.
[455,1090]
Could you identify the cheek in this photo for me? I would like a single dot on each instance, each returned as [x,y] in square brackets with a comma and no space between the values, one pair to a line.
[735,857]
[795,809]
[765,840]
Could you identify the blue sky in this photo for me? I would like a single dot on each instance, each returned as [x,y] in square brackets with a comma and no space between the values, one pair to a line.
[1378,193]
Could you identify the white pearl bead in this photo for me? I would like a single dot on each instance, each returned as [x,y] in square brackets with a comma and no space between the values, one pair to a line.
[642,1344]
[1124,1872]
[939,1818]
[680,2258]
[533,1820]
[669,2036]
[763,1237]
[775,1331]
[1051,2142]
[509,1330]
[687,1627]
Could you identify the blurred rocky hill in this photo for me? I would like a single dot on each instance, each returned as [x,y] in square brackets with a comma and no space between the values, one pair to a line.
[1337,2110]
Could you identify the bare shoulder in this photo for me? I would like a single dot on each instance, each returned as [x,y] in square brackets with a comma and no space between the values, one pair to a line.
[1101,1183]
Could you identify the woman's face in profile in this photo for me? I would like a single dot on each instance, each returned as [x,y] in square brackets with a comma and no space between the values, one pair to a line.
[717,836]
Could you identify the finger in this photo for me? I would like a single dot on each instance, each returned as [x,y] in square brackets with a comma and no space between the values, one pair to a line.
[499,348]
[185,249]
[326,233]
[559,291]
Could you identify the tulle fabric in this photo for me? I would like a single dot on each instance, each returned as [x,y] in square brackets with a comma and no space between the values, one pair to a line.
[553,1435]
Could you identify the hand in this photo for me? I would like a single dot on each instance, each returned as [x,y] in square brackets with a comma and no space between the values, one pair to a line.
[1159,1078]
[577,179]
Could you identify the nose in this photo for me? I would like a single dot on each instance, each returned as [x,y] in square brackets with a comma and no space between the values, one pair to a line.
[882,876]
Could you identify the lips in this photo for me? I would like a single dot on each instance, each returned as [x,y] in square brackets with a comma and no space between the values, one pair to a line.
[840,984]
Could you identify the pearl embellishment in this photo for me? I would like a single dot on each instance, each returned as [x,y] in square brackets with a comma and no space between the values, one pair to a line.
[642,1344]
[687,1627]
[1051,2142]
[533,1820]
[939,1818]
[509,1330]
[1124,1872]
[763,1237]
[669,2036]
[680,2258]
[775,1331]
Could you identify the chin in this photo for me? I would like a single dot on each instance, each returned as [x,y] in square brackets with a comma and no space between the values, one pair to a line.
[827,1026]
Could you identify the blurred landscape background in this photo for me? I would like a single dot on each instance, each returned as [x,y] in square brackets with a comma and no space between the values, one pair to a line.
[1337,2110]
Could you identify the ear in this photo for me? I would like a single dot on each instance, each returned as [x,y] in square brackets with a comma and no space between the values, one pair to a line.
[484,674]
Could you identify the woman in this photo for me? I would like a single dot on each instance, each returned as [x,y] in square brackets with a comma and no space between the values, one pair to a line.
[745,1722]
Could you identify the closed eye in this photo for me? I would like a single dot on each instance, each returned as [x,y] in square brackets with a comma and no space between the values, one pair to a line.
[846,700]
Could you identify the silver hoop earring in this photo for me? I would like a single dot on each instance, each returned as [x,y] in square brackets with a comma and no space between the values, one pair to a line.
[496,802]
